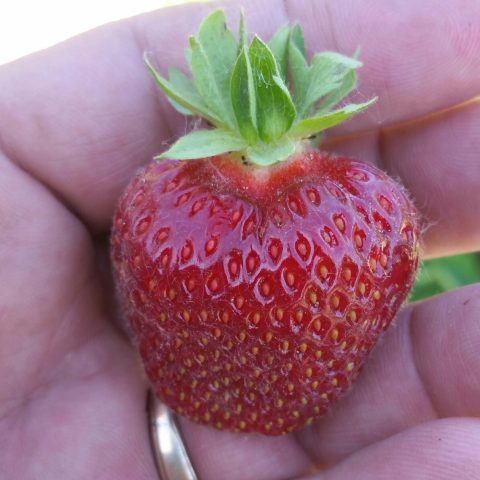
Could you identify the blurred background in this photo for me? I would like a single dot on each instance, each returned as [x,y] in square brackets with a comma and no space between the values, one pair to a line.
[30,25]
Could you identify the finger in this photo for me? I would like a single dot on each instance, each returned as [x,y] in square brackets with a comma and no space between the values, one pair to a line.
[49,304]
[437,160]
[440,450]
[217,455]
[399,49]
[93,119]
[87,421]
[67,380]
[425,367]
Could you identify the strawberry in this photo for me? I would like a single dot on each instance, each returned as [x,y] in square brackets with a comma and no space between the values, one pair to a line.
[256,271]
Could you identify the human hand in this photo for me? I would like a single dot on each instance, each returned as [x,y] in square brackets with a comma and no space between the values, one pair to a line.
[78,120]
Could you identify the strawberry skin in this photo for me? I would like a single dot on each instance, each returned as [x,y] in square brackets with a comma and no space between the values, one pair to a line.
[254,295]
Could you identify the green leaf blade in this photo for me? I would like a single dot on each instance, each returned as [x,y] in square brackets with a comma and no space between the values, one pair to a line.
[214,52]
[242,32]
[326,74]
[349,82]
[206,84]
[269,154]
[182,93]
[275,110]
[296,39]
[242,93]
[278,44]
[300,75]
[183,84]
[313,125]
[202,144]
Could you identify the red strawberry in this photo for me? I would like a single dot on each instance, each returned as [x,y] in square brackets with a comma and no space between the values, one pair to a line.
[256,283]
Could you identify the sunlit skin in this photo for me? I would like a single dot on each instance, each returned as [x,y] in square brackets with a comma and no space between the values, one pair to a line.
[79,119]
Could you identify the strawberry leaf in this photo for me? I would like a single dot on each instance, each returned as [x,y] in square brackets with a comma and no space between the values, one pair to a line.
[203,143]
[242,91]
[348,84]
[184,84]
[242,32]
[278,44]
[299,72]
[214,52]
[269,154]
[296,38]
[274,108]
[183,93]
[326,74]
[246,92]
[313,125]
[188,57]
[206,84]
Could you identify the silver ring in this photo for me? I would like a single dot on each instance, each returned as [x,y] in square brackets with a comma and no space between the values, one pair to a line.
[171,456]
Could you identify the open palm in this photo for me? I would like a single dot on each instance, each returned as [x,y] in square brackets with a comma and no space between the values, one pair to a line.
[76,122]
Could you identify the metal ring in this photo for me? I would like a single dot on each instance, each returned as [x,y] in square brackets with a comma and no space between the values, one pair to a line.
[171,456]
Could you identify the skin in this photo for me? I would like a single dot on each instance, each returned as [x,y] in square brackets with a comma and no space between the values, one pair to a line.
[78,120]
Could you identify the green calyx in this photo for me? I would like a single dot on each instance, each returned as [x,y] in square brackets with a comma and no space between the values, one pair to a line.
[263,100]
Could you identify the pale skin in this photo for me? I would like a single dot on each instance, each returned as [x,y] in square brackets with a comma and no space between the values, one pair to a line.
[79,119]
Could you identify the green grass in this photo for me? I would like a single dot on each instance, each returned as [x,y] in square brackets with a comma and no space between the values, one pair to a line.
[442,274]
